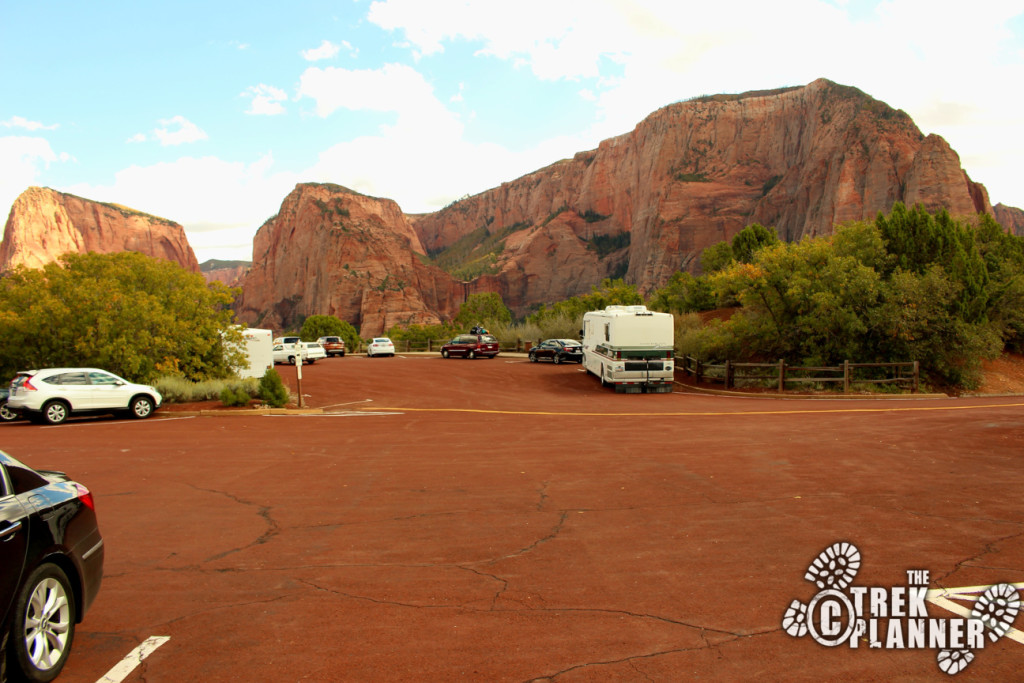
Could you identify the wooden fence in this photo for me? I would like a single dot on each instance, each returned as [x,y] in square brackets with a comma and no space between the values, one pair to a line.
[904,375]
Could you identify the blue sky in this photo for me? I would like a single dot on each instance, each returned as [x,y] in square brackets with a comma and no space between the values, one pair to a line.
[209,113]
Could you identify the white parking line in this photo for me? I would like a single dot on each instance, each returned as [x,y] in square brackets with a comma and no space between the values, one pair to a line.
[87,423]
[133,659]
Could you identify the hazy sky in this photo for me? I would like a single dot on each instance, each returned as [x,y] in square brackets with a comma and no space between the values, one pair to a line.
[208,113]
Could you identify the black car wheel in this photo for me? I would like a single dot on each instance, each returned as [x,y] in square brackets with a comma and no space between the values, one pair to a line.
[141,407]
[291,360]
[557,358]
[471,355]
[6,414]
[43,626]
[444,353]
[55,412]
[533,357]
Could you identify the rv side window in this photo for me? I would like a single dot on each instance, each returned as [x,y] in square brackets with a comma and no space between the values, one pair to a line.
[607,331]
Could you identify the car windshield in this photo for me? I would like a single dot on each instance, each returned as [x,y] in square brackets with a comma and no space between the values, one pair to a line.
[382,340]
[488,338]
[569,342]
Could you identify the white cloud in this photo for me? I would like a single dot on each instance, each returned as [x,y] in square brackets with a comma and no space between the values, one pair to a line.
[394,88]
[327,50]
[639,55]
[138,137]
[179,131]
[266,100]
[220,203]
[22,122]
[22,161]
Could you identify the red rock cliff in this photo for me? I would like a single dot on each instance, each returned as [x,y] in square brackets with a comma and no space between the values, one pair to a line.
[331,251]
[696,173]
[45,224]
[1011,218]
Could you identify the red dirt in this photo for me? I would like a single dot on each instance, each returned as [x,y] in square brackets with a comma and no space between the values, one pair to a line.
[497,520]
[1004,375]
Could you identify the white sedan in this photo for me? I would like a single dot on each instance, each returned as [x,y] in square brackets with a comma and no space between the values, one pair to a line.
[380,346]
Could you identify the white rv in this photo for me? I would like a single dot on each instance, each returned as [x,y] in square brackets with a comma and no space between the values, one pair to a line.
[630,348]
[257,347]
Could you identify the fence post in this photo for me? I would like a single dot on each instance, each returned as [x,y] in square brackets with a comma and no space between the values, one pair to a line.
[728,374]
[700,371]
[782,375]
[846,376]
[913,389]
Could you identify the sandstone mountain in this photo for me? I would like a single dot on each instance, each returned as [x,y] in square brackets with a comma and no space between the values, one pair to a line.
[229,273]
[641,206]
[1011,218]
[331,251]
[45,224]
[696,173]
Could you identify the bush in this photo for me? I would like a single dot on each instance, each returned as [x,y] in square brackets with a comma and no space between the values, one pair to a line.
[272,390]
[179,390]
[235,396]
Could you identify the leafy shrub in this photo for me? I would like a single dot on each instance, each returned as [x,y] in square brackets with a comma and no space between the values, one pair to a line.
[235,396]
[272,390]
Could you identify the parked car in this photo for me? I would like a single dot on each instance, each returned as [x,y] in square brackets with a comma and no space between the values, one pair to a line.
[557,351]
[6,414]
[54,394]
[334,346]
[314,352]
[471,346]
[309,352]
[51,552]
[380,346]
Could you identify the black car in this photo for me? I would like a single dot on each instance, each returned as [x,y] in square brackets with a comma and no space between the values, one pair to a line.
[51,566]
[557,351]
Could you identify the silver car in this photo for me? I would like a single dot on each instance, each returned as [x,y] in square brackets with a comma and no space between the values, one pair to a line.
[54,394]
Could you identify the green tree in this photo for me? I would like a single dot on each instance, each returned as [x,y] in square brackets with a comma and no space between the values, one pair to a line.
[716,257]
[684,293]
[316,326]
[483,309]
[129,313]
[750,239]
[918,241]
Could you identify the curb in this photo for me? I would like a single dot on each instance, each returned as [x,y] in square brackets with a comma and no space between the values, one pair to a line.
[247,412]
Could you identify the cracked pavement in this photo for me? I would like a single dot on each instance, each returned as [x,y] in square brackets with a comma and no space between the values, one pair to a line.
[661,544]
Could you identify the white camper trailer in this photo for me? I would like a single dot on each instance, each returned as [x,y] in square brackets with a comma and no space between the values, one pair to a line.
[630,348]
[258,351]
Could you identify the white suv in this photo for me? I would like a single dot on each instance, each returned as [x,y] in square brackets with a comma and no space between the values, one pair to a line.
[54,394]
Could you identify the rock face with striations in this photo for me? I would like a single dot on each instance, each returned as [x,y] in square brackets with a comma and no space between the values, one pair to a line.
[696,173]
[45,224]
[331,251]
[1011,218]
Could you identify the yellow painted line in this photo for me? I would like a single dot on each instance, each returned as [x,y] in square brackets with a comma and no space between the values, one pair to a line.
[984,406]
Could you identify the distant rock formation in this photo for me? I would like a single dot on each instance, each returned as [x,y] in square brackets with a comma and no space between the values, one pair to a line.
[695,173]
[1012,219]
[229,273]
[331,251]
[45,224]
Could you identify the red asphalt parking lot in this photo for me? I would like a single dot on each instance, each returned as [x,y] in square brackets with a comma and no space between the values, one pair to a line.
[497,520]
